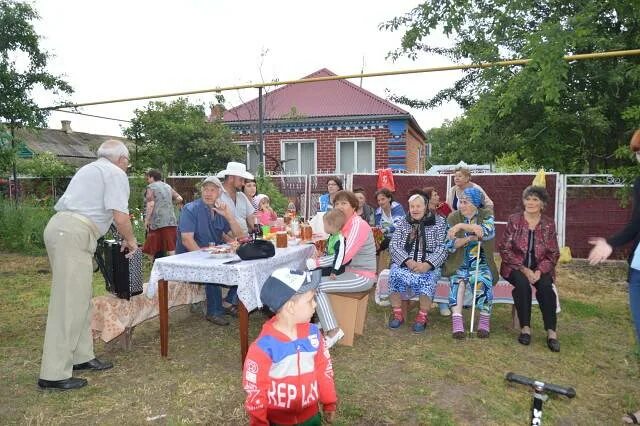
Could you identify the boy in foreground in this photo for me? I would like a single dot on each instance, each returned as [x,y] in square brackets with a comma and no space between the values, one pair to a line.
[288,372]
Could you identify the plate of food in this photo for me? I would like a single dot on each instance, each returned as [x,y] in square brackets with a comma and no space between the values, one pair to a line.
[221,252]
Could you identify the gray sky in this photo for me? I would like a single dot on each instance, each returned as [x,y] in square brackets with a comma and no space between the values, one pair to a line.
[113,49]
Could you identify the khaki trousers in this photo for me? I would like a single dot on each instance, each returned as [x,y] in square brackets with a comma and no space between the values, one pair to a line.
[70,244]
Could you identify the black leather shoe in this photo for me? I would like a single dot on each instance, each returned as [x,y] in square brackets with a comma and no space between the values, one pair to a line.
[67,384]
[217,320]
[459,335]
[95,364]
[524,339]
[483,334]
[554,345]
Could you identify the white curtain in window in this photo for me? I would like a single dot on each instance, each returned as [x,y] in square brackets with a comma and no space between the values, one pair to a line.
[365,157]
[307,158]
[252,158]
[347,158]
[291,158]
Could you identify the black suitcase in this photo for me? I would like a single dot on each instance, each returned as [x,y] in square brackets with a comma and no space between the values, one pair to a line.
[123,276]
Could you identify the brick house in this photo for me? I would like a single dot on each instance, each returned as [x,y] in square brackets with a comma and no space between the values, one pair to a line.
[328,127]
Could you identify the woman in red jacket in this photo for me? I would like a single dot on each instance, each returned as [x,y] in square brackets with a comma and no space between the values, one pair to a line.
[530,252]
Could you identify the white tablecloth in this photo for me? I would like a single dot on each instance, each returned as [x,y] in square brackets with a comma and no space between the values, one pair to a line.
[248,275]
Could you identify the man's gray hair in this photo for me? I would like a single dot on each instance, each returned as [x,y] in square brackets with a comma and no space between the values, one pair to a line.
[112,150]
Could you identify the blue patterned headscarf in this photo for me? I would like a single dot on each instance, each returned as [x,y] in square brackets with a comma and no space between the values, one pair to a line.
[474,195]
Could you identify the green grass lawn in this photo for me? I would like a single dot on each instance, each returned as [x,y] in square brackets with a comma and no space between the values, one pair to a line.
[388,377]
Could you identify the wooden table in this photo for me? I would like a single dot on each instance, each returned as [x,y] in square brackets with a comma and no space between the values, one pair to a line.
[201,267]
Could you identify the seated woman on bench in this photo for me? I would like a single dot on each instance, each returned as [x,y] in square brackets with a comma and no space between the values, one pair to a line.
[469,241]
[360,251]
[530,252]
[417,252]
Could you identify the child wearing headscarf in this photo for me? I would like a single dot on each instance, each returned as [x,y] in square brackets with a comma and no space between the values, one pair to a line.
[468,226]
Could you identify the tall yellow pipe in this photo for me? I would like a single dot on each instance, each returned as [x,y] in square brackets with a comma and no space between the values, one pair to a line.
[569,58]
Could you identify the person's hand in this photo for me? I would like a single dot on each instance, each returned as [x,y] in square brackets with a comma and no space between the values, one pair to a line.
[529,274]
[329,416]
[536,276]
[477,230]
[423,267]
[332,277]
[411,264]
[451,233]
[131,245]
[222,209]
[601,250]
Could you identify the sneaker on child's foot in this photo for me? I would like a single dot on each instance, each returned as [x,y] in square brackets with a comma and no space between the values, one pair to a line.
[419,327]
[395,322]
[330,341]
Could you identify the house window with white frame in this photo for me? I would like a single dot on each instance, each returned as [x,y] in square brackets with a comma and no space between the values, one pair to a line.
[298,157]
[355,155]
[251,158]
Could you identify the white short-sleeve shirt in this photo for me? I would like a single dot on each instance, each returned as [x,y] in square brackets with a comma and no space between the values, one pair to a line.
[242,208]
[95,191]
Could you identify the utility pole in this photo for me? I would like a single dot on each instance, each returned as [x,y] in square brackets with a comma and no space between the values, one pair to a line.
[260,136]
[15,171]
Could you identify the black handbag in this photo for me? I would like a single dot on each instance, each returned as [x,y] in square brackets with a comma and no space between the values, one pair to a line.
[122,275]
[256,249]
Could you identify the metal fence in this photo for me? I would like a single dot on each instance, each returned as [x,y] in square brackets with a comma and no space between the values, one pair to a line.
[583,206]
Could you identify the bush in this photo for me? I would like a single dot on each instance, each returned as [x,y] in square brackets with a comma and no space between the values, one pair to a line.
[266,186]
[22,226]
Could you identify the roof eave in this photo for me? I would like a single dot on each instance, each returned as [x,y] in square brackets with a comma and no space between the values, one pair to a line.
[409,117]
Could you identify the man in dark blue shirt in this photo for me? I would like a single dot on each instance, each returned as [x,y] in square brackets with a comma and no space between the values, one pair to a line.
[205,221]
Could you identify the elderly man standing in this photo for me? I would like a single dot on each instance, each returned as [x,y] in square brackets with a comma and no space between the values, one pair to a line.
[97,195]
[204,221]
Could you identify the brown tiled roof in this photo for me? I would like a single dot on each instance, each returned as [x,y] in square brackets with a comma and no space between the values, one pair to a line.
[334,98]
[75,148]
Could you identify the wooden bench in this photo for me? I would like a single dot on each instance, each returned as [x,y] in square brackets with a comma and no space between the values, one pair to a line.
[351,312]
[501,294]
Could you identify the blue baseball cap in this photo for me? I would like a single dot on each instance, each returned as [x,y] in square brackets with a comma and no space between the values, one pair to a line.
[284,283]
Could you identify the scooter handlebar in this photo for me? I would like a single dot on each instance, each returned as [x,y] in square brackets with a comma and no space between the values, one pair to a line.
[549,387]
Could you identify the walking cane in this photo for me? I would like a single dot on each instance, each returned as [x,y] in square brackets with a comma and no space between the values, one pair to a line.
[475,287]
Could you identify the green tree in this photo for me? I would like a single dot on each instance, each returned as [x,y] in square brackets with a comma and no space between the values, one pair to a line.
[569,117]
[45,164]
[175,137]
[7,153]
[23,67]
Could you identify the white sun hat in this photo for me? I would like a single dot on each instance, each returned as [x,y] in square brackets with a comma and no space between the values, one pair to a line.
[235,169]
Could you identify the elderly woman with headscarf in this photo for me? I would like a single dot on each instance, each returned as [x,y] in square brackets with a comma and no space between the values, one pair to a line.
[529,251]
[469,241]
[417,251]
[462,181]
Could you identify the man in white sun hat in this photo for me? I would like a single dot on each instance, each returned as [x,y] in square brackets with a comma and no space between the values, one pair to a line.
[234,178]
